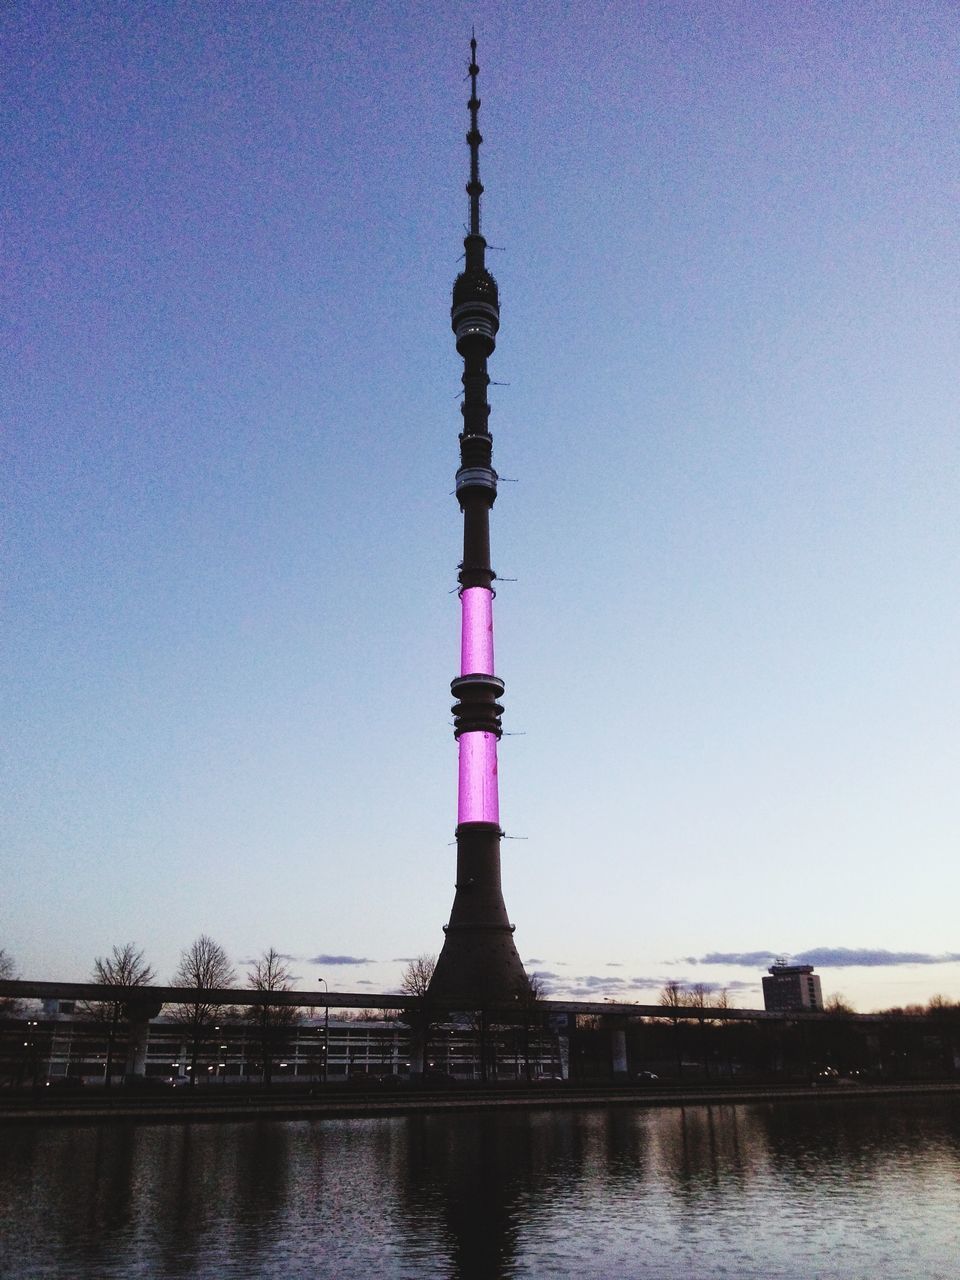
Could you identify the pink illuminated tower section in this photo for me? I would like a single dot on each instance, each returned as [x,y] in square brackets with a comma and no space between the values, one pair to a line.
[479,966]
[477,796]
[476,631]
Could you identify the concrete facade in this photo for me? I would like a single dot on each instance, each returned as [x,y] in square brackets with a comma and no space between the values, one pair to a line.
[791,986]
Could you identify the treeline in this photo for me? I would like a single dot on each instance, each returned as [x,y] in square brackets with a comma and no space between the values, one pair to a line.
[203,966]
[699,995]
[892,1046]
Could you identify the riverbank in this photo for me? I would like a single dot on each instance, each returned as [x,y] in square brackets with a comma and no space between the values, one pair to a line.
[182,1106]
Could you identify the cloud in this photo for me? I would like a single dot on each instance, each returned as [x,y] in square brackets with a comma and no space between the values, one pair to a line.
[613,964]
[591,986]
[640,989]
[595,986]
[844,957]
[331,960]
[828,958]
[533,960]
[285,956]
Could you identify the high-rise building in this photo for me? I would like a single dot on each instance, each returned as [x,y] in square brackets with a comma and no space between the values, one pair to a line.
[479,963]
[791,986]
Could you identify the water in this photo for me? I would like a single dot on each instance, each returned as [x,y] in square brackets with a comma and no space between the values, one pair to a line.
[827,1189]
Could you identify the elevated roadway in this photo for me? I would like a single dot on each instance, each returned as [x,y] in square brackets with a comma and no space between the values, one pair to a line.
[97,993]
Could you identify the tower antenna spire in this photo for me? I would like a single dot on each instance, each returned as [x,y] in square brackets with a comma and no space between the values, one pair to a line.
[479,966]
[474,139]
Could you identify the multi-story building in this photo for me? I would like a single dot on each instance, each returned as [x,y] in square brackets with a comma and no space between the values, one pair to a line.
[65,1043]
[791,986]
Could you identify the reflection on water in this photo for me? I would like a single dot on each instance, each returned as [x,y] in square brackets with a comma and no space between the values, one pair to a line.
[780,1191]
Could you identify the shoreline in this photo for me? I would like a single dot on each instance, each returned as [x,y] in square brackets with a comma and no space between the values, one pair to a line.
[258,1107]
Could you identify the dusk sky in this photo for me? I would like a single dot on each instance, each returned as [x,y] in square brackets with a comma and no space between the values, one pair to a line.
[729,276]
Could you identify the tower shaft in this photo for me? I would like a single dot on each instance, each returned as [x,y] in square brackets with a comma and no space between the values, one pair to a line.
[478,964]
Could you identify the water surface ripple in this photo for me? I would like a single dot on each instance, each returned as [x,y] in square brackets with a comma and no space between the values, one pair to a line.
[825,1190]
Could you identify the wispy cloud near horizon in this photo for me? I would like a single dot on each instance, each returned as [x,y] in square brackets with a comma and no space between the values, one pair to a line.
[594,986]
[827,958]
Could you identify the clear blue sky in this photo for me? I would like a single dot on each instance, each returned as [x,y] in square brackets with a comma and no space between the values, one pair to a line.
[730,287]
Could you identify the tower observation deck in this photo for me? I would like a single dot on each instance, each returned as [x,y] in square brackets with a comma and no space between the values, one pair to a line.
[479,963]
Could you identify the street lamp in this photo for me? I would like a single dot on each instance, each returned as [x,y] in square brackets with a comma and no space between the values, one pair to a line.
[326,1028]
[221,1066]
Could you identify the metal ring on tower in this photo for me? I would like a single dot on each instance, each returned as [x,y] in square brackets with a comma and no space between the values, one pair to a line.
[476,478]
[475,321]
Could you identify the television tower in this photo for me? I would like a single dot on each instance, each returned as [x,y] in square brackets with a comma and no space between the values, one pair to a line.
[479,963]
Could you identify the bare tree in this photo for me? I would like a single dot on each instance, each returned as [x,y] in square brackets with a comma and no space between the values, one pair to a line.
[533,1015]
[417,976]
[940,1004]
[418,1016]
[273,1022]
[698,997]
[672,995]
[125,967]
[721,1000]
[675,996]
[204,966]
[366,1015]
[9,1007]
[838,1004]
[270,972]
[537,986]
